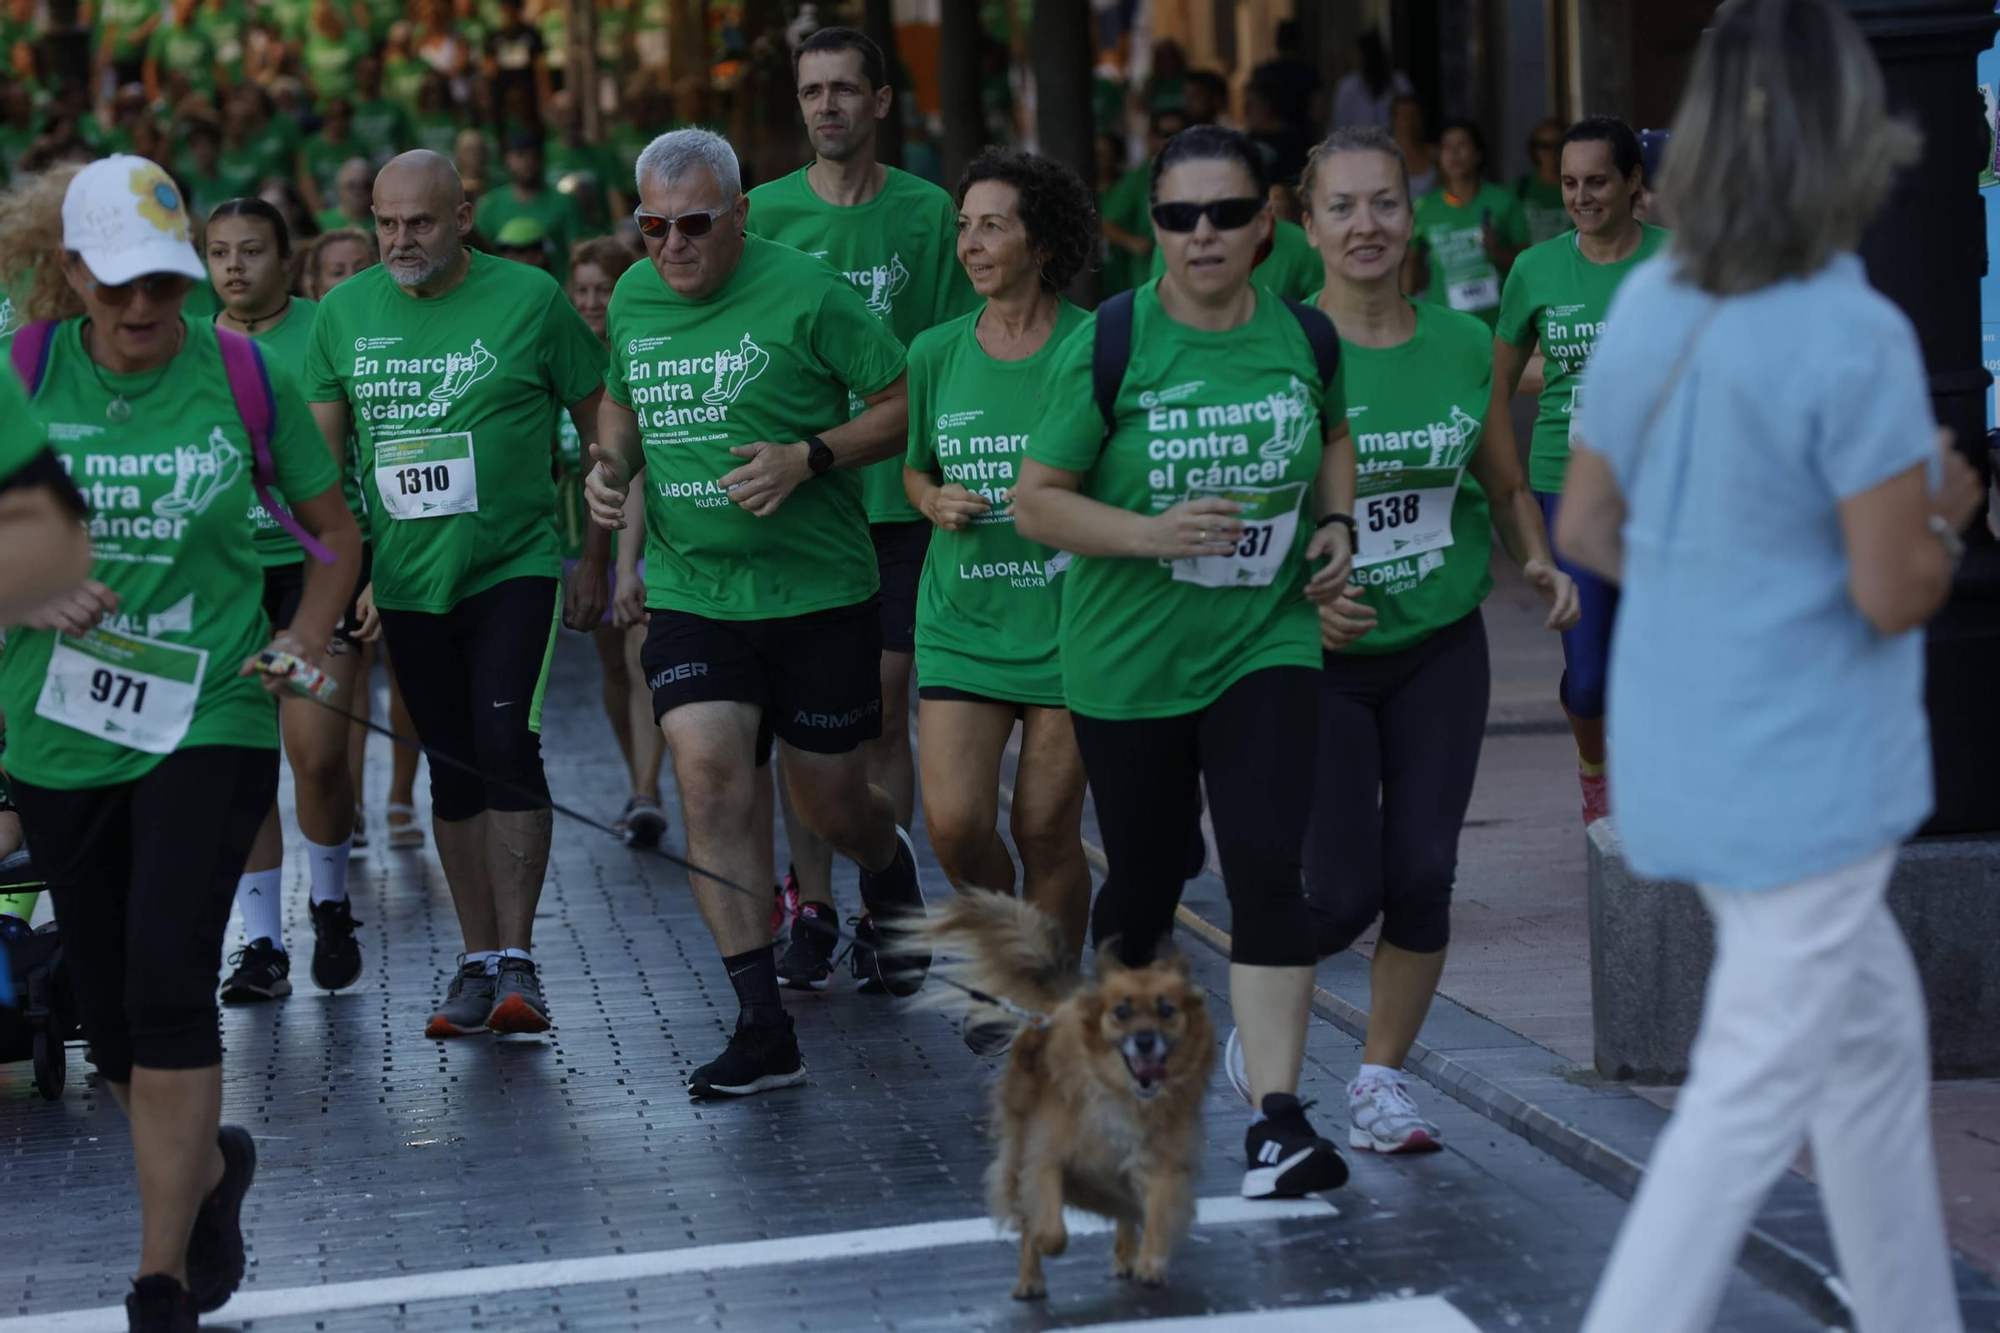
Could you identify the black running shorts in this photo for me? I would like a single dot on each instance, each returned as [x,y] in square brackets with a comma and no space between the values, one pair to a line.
[285,585]
[899,555]
[816,676]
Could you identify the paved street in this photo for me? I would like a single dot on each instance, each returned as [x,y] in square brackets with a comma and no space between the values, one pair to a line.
[567,1182]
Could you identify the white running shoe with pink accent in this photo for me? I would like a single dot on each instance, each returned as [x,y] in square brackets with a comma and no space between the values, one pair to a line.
[1385,1118]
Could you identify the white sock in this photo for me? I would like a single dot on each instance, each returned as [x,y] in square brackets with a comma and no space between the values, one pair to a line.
[490,957]
[1369,1073]
[329,870]
[257,897]
[516,953]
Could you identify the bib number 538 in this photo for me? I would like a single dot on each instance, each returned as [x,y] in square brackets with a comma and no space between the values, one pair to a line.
[1394,511]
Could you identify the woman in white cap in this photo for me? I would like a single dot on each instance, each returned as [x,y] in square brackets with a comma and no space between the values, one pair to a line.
[140,740]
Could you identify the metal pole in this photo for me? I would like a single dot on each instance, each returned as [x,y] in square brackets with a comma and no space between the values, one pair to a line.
[1927,252]
[1064,120]
[958,88]
[879,22]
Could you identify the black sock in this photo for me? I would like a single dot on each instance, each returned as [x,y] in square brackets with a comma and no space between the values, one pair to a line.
[754,974]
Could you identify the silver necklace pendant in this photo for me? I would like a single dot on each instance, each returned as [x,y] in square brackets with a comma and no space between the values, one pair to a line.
[119,410]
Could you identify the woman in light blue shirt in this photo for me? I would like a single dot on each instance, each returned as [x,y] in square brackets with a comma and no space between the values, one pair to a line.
[1758,464]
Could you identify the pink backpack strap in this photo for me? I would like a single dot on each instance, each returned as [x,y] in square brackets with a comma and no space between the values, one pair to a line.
[30,353]
[250,384]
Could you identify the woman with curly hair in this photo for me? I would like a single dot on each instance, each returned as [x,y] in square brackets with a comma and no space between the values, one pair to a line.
[988,606]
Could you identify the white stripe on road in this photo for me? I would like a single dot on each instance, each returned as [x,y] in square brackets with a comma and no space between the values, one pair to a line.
[1425,1314]
[475,1283]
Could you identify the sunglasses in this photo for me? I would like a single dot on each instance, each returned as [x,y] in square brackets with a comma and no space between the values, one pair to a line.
[693,225]
[158,286]
[1226,214]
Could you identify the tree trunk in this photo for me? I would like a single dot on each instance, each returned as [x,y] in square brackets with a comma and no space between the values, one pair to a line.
[687,38]
[1064,120]
[583,68]
[958,88]
[879,22]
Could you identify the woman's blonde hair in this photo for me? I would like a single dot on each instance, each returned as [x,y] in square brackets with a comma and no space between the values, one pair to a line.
[1783,148]
[1354,139]
[31,245]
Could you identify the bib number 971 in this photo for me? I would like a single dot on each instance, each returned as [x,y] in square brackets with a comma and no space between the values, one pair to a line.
[118,690]
[1394,511]
[430,480]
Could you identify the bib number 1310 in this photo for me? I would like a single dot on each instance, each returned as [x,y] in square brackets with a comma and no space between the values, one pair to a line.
[429,476]
[432,480]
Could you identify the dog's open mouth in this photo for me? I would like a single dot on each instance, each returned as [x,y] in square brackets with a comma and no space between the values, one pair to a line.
[1148,1071]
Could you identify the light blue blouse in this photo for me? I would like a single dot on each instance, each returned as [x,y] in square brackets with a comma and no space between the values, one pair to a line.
[1761,731]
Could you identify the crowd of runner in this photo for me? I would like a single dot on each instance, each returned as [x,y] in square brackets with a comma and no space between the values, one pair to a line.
[787,454]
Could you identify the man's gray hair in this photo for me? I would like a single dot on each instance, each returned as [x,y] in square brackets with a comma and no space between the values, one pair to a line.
[677,152]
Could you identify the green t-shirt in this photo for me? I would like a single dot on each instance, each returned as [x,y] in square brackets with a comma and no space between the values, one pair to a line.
[1292,269]
[14,144]
[1453,241]
[329,61]
[900,250]
[246,167]
[191,50]
[437,131]
[1418,412]
[126,16]
[205,192]
[325,157]
[284,345]
[554,210]
[403,79]
[382,128]
[454,400]
[595,163]
[167,489]
[1235,414]
[1557,299]
[225,28]
[23,439]
[774,355]
[989,607]
[293,17]
[572,513]
[1542,208]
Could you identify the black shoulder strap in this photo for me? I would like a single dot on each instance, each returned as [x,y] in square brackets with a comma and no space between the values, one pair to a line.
[1110,355]
[1320,334]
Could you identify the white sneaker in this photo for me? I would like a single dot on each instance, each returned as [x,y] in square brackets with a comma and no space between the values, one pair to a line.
[1239,1073]
[1385,1118]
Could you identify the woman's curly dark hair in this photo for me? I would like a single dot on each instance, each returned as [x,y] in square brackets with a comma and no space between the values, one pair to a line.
[1056,209]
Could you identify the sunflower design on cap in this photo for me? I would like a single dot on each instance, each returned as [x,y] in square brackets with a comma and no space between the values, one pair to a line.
[160,201]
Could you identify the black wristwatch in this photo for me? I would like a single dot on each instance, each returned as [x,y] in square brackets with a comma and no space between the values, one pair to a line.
[1353,533]
[818,456]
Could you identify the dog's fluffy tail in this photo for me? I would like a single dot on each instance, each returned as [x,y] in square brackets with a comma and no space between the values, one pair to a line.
[998,944]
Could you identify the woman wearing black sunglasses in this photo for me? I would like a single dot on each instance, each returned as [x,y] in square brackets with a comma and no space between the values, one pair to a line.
[1191,646]
[143,750]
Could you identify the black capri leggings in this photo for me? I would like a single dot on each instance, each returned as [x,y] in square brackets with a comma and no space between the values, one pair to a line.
[1399,739]
[1254,745]
[142,875]
[472,679]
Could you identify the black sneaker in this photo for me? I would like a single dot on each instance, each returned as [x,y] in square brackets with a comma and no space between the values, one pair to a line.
[518,1003]
[336,953]
[807,962]
[764,1054]
[1288,1160]
[215,1246]
[262,972]
[891,894]
[158,1304]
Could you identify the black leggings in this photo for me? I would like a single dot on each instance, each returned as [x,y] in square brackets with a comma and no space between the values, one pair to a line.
[1399,739]
[1254,745]
[142,875]
[472,679]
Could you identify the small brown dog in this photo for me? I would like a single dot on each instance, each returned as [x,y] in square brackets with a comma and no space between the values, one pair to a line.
[1100,1109]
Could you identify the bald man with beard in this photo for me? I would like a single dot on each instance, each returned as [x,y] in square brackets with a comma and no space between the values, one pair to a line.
[450,366]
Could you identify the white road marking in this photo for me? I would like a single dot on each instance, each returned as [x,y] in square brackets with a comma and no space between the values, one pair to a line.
[1425,1314]
[476,1283]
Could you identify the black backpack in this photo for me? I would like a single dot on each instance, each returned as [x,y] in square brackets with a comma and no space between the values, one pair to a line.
[44,1016]
[1111,354]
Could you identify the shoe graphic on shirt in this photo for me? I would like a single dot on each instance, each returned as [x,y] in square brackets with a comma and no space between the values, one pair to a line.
[883,283]
[1289,412]
[201,472]
[734,371]
[1465,430]
[462,370]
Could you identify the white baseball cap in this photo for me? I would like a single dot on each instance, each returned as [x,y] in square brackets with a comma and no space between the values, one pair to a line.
[125,216]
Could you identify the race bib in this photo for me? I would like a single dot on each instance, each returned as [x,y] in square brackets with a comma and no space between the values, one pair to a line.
[430,476]
[132,691]
[1403,512]
[1475,293]
[1270,523]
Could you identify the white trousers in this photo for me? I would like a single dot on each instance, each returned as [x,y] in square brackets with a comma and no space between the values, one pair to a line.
[1813,1029]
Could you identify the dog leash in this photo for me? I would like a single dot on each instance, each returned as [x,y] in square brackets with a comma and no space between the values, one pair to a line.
[309,682]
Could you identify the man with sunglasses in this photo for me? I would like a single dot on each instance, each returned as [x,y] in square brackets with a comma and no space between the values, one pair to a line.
[451,366]
[733,363]
[894,236]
